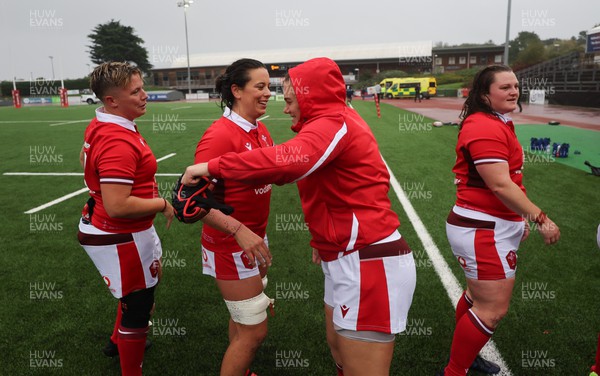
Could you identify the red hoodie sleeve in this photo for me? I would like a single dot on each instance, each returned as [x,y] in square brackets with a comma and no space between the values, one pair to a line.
[315,146]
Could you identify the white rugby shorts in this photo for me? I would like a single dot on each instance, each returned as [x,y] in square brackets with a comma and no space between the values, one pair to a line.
[485,246]
[228,266]
[372,289]
[126,262]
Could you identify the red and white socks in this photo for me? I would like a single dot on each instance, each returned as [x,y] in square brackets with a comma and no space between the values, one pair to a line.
[132,344]
[470,335]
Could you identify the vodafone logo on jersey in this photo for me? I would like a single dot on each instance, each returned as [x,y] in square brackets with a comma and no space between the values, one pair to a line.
[263,190]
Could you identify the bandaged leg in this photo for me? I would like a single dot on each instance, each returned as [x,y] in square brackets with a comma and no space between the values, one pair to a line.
[250,311]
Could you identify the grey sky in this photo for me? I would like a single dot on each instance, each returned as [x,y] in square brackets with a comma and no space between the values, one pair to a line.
[33,30]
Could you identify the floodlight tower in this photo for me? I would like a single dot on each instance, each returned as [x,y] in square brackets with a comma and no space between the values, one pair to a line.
[507,35]
[52,63]
[186,4]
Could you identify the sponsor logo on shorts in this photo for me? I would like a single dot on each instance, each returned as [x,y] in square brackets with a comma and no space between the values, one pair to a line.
[345,310]
[246,261]
[462,262]
[106,280]
[511,258]
[154,268]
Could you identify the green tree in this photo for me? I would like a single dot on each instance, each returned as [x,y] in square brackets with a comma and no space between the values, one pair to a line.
[532,54]
[582,37]
[115,42]
[559,47]
[520,43]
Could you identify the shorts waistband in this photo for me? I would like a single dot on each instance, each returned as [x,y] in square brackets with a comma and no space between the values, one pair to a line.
[394,248]
[461,221]
[95,239]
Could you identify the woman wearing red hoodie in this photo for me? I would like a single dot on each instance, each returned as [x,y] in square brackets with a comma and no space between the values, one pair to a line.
[343,184]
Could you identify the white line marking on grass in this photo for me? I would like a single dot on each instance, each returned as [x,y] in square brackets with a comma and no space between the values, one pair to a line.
[43,173]
[70,122]
[151,120]
[32,121]
[165,157]
[453,288]
[61,174]
[58,200]
[180,108]
[78,192]
[65,121]
[263,118]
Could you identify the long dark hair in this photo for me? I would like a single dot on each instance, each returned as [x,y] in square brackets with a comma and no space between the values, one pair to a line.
[236,73]
[482,81]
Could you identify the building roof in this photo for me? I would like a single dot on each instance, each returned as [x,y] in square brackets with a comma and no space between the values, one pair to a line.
[594,30]
[460,49]
[337,53]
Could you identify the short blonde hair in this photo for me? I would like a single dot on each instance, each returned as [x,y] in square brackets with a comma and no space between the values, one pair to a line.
[110,75]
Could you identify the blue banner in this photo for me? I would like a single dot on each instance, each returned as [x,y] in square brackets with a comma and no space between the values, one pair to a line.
[37,100]
[157,97]
[593,43]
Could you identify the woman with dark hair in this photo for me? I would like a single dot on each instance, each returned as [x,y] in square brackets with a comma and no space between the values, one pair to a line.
[235,248]
[343,183]
[491,214]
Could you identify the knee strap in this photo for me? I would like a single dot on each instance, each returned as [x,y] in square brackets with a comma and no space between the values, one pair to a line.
[136,308]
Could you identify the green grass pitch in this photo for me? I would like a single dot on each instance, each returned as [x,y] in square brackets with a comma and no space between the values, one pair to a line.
[56,313]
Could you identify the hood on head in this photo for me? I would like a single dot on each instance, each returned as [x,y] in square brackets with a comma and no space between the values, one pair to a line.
[319,88]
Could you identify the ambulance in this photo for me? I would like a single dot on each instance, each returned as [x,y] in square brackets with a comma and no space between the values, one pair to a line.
[405,87]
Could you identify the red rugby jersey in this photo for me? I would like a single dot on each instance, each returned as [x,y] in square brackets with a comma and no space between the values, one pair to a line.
[342,180]
[116,153]
[251,202]
[486,138]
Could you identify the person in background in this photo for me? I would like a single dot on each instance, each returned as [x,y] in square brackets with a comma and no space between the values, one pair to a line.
[349,94]
[418,92]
